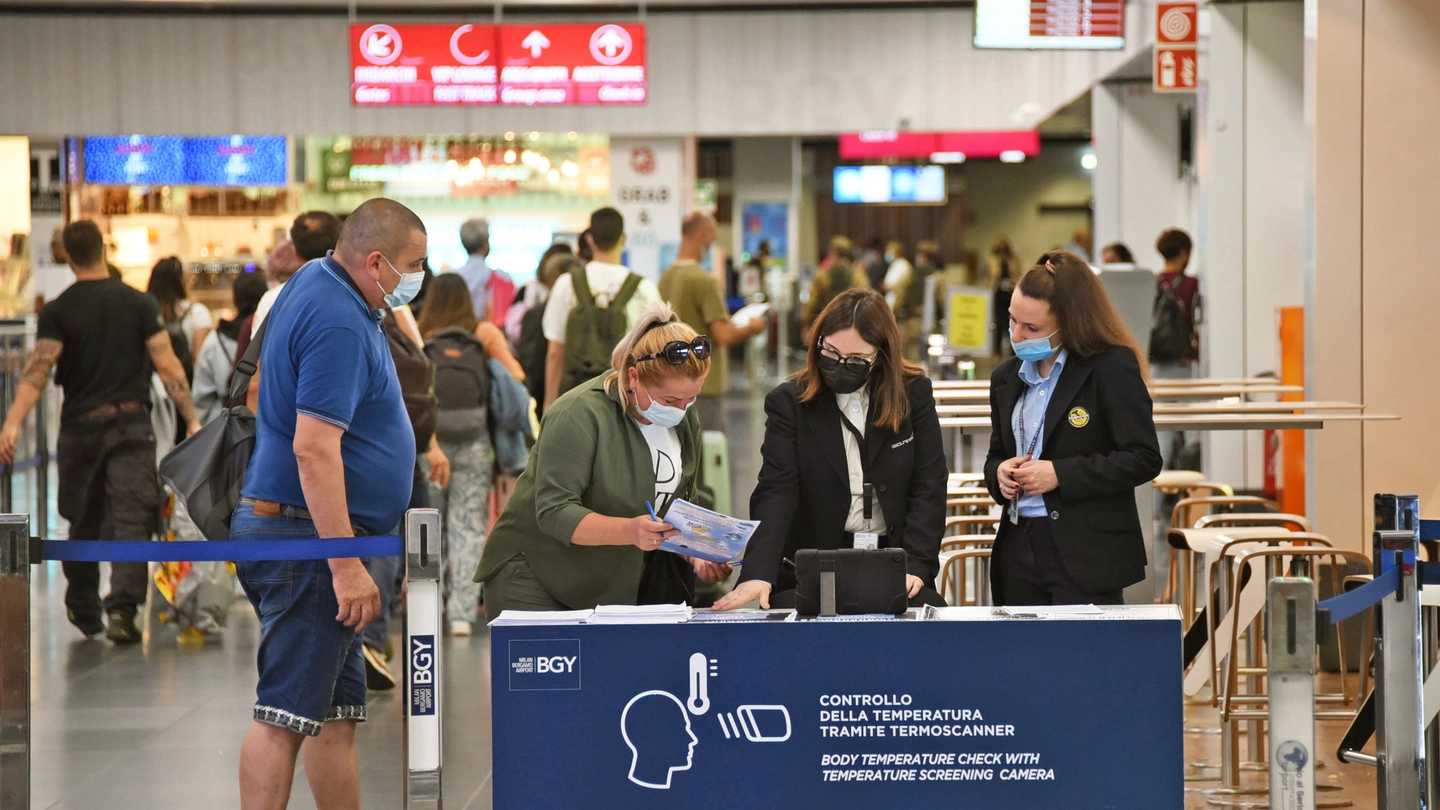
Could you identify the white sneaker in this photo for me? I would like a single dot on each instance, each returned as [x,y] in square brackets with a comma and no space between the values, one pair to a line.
[459,627]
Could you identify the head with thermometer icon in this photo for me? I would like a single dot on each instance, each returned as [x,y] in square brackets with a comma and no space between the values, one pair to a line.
[656,726]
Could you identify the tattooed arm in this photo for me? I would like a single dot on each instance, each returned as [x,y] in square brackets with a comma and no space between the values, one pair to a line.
[167,365]
[32,381]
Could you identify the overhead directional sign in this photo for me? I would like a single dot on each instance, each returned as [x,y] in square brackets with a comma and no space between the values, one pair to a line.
[428,64]
[572,64]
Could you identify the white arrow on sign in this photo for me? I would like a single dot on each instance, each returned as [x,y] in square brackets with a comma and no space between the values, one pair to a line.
[611,43]
[536,42]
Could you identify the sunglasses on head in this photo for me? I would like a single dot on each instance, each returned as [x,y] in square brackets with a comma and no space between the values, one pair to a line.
[677,352]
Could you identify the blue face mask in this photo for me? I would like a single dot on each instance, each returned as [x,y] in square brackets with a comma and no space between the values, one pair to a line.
[1035,349]
[406,290]
[665,416]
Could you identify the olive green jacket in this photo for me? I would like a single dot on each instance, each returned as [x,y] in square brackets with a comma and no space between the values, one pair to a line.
[590,457]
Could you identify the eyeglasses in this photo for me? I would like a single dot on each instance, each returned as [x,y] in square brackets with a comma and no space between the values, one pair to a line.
[853,361]
[676,352]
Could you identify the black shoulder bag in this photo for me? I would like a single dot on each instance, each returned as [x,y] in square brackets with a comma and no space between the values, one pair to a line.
[208,469]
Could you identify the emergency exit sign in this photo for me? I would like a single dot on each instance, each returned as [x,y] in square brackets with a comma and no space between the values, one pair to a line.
[1177,35]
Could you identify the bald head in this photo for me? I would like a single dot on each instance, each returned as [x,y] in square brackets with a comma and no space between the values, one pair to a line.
[381,241]
[378,225]
[697,234]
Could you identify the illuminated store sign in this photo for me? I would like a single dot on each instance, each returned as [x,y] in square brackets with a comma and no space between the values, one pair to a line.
[172,160]
[424,65]
[888,143]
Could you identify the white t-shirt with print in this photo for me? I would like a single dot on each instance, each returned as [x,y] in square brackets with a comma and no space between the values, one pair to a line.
[665,456]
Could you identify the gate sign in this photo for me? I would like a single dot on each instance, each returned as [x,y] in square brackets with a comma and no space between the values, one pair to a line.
[1176,37]
[572,64]
[468,64]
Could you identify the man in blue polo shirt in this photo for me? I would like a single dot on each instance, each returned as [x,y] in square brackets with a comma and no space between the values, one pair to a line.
[334,457]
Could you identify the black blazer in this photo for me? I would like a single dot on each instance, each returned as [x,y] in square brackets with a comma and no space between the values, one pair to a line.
[803,496]
[1100,435]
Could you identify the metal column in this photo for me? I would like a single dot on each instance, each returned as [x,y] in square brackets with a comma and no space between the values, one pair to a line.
[15,661]
[1400,722]
[424,695]
[1290,638]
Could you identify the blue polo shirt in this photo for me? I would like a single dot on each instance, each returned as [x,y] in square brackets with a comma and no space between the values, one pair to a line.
[325,355]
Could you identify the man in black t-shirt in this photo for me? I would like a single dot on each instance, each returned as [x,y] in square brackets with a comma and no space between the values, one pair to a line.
[103,339]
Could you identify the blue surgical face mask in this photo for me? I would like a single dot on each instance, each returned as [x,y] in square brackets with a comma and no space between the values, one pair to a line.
[407,289]
[665,416]
[1035,349]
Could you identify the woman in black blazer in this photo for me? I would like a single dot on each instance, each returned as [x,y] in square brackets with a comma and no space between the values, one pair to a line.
[1072,436]
[812,487]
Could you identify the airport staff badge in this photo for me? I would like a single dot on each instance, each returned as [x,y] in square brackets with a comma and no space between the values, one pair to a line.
[1079,417]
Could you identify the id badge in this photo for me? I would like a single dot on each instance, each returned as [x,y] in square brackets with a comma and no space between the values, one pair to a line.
[867,540]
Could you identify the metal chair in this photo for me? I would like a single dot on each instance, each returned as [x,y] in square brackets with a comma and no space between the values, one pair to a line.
[965,577]
[1264,564]
[1184,560]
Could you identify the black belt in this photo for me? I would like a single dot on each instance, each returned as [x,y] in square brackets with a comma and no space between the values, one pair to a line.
[105,412]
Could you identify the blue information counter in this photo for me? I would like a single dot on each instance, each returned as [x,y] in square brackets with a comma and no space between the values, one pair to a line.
[1003,714]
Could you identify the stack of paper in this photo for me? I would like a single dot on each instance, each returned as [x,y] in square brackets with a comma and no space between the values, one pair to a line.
[641,614]
[533,617]
[748,313]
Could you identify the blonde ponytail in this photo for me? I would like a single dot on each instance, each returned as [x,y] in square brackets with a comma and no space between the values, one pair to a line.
[657,326]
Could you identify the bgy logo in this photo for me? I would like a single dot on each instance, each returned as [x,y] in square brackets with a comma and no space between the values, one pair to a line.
[544,664]
[422,676]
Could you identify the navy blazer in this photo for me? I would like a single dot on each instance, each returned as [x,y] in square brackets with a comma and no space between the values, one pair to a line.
[803,495]
[1100,435]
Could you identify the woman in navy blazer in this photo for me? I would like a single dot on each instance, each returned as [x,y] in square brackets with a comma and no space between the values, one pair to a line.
[811,492]
[1072,436]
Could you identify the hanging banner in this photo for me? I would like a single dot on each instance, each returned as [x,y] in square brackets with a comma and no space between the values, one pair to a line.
[470,64]
[645,178]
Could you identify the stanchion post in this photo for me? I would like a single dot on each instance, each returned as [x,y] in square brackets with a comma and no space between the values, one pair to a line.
[15,661]
[42,471]
[424,695]
[1290,647]
[1400,722]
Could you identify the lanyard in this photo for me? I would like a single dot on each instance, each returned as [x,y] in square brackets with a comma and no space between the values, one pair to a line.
[867,488]
[1029,450]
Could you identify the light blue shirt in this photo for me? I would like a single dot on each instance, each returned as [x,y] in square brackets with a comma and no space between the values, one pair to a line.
[477,277]
[1030,414]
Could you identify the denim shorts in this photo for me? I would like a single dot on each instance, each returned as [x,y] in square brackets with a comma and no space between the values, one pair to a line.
[311,668]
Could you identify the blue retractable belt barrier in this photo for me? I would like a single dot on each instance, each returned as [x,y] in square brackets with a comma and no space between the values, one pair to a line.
[1349,604]
[220,550]
[1430,530]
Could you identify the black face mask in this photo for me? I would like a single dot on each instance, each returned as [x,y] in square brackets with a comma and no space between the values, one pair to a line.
[842,378]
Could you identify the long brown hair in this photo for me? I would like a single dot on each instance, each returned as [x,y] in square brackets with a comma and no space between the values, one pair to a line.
[1088,321]
[866,311]
[447,304]
[657,326]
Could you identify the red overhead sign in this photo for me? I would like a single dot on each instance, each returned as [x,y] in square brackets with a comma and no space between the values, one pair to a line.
[888,143]
[1177,34]
[426,64]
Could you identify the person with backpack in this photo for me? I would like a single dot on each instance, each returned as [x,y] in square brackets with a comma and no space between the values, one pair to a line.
[532,348]
[188,322]
[591,309]
[840,275]
[463,429]
[219,353]
[1174,339]
[910,299]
